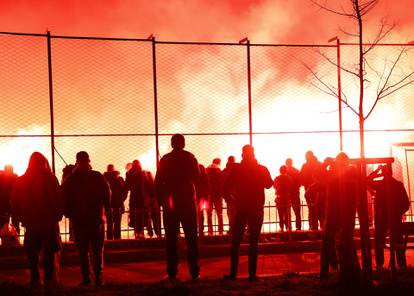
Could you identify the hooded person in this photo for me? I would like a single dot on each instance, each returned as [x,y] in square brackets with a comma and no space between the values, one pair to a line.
[37,202]
[87,195]
[175,182]
[247,182]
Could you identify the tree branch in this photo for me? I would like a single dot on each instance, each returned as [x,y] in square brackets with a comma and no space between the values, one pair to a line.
[324,7]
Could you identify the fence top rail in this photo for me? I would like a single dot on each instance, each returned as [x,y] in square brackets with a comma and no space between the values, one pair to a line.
[202,134]
[199,42]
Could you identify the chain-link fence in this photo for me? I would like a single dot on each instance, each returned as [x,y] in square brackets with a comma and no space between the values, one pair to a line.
[122,99]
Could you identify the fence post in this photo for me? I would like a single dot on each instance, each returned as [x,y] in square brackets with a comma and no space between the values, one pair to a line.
[52,118]
[154,76]
[249,87]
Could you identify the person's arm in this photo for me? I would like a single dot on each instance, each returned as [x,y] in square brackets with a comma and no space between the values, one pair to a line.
[268,181]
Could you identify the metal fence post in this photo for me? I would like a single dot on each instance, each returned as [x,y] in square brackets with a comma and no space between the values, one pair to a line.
[52,119]
[154,76]
[249,88]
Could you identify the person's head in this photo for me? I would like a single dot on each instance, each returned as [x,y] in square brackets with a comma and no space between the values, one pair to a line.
[136,164]
[387,170]
[289,162]
[248,152]
[309,156]
[82,158]
[217,161]
[341,161]
[178,141]
[8,169]
[110,168]
[128,166]
[38,163]
[231,159]
[283,170]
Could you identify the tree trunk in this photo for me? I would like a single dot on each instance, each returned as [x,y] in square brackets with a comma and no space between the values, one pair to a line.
[363,203]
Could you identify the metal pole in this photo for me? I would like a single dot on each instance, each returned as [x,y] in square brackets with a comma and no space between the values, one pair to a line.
[338,56]
[52,118]
[154,76]
[249,89]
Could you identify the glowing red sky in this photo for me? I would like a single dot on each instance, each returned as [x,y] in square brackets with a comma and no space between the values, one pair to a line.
[266,21]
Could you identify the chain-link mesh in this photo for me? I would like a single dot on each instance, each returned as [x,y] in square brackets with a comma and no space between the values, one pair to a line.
[103,88]
[104,102]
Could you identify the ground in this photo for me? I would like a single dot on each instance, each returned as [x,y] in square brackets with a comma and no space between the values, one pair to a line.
[286,284]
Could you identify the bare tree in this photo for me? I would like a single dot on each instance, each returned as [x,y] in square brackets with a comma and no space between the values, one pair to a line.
[386,82]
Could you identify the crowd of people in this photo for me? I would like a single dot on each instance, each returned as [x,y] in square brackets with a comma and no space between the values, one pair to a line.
[185,189]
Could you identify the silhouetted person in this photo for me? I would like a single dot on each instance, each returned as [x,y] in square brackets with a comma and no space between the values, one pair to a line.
[215,180]
[135,183]
[116,209]
[175,182]
[7,180]
[247,181]
[38,203]
[342,186]
[66,171]
[283,190]
[294,174]
[153,213]
[390,203]
[229,197]
[316,198]
[306,174]
[87,195]
[202,192]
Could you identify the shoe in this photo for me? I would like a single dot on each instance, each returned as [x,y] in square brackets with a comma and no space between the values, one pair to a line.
[51,284]
[85,283]
[229,277]
[253,278]
[169,279]
[35,284]
[98,281]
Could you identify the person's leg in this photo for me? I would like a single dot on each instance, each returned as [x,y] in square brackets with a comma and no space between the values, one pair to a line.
[210,206]
[230,215]
[156,220]
[117,216]
[82,240]
[380,232]
[328,251]
[200,219]
[281,217]
[255,222]
[32,245]
[148,221]
[172,227]
[239,225]
[296,210]
[397,241]
[16,224]
[218,205]
[52,246]
[188,220]
[110,224]
[97,245]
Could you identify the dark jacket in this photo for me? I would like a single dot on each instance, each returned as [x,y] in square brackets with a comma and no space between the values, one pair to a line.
[202,186]
[116,184]
[215,180]
[7,181]
[177,176]
[86,195]
[247,181]
[283,190]
[307,171]
[37,200]
[397,203]
[135,183]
